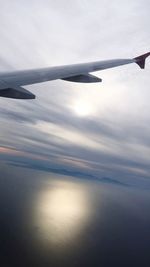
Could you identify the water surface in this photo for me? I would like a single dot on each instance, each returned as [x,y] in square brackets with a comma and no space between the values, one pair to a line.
[51,220]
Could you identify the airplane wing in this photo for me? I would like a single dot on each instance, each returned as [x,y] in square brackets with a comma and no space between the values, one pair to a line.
[11,83]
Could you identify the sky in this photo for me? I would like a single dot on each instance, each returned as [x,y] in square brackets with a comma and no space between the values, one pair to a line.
[88,130]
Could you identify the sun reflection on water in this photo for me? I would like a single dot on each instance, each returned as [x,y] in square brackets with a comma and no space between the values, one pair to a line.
[61,211]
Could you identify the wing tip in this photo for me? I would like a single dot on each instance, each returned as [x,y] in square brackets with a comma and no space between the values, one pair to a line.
[140,60]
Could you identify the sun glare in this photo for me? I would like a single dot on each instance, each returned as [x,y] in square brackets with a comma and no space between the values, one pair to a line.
[82,108]
[60,212]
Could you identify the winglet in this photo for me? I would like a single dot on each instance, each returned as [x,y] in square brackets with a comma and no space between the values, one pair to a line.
[141,60]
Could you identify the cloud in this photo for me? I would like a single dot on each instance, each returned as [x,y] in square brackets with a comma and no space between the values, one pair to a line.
[113,140]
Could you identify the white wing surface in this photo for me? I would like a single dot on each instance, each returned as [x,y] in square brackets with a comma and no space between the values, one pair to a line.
[11,83]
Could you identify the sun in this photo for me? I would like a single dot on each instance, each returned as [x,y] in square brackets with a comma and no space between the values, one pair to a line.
[82,108]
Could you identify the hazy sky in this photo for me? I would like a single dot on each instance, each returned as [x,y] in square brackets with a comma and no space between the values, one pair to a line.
[100,129]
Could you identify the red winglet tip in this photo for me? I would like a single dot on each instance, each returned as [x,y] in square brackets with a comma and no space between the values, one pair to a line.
[140,60]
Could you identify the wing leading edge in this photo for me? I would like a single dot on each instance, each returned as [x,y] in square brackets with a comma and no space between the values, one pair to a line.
[11,83]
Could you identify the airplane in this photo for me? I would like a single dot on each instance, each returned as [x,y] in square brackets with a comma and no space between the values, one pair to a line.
[11,82]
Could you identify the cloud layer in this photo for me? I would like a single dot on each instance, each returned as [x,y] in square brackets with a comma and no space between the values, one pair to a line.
[113,138]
